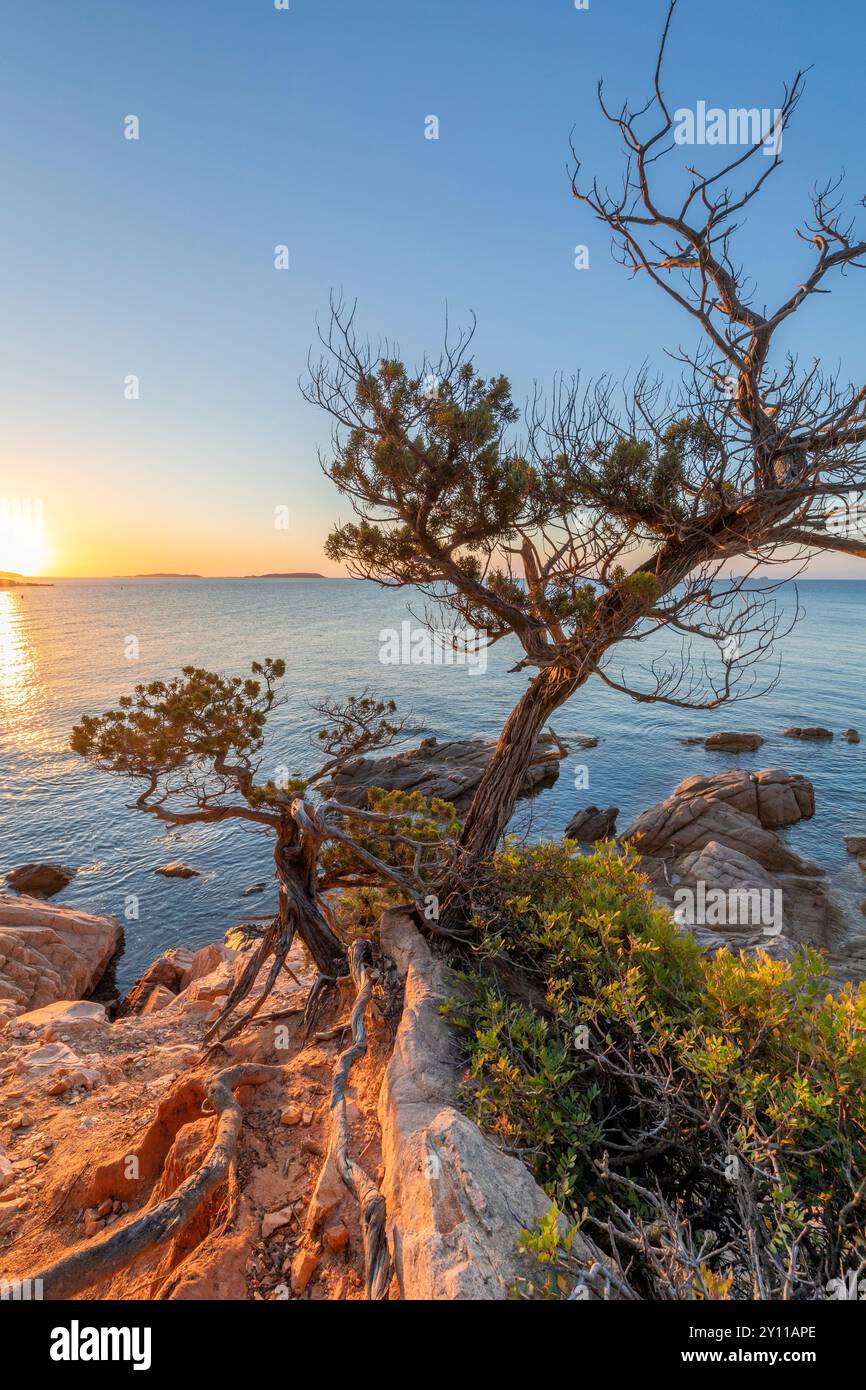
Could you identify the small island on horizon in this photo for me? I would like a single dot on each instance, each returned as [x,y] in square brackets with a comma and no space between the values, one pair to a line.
[10,580]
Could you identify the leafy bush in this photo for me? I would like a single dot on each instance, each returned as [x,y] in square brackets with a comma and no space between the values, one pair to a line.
[702,1117]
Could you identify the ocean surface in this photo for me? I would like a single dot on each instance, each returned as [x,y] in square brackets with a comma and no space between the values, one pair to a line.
[63,654]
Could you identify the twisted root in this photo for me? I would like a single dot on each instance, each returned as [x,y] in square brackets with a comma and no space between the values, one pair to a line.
[377,1260]
[100,1259]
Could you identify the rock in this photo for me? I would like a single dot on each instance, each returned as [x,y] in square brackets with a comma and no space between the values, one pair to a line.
[774,796]
[810,734]
[10,1214]
[177,870]
[157,999]
[42,880]
[291,1115]
[304,1266]
[719,833]
[50,952]
[592,824]
[254,888]
[47,1061]
[584,741]
[851,736]
[7,1172]
[456,1204]
[306,1117]
[451,771]
[168,973]
[92,1225]
[275,1220]
[336,1237]
[733,743]
[65,1016]
[690,818]
[855,844]
[205,961]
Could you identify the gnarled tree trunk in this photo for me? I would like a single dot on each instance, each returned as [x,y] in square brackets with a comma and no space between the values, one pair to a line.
[296,856]
[497,792]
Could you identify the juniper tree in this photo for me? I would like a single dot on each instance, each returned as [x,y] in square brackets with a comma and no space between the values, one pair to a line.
[618,516]
[196,741]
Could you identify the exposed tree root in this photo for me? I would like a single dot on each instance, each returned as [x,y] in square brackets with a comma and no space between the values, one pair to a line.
[377,1260]
[100,1259]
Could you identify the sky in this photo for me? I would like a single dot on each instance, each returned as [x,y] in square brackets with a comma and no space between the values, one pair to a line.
[154,258]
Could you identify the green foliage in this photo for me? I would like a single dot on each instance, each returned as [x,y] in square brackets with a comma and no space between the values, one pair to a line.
[416,828]
[438,451]
[745,1057]
[198,715]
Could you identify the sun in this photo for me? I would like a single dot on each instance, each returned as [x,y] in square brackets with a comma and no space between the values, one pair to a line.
[23,546]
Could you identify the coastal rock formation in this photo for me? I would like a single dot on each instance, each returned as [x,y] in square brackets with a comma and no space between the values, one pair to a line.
[450,771]
[811,734]
[50,952]
[456,1203]
[592,824]
[739,809]
[719,834]
[40,880]
[175,971]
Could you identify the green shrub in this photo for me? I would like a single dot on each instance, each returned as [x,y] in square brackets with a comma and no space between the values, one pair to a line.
[708,1111]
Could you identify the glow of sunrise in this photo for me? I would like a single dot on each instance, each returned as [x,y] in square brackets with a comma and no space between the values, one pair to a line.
[23,544]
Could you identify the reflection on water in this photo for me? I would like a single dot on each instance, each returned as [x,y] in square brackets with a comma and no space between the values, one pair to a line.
[16,661]
[64,653]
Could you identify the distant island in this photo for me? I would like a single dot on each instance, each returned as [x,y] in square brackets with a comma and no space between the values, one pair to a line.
[10,580]
[301,574]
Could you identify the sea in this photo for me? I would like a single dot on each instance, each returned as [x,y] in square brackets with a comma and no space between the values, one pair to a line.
[76,646]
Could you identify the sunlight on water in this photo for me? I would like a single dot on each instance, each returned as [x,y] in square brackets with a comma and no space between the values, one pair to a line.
[16,661]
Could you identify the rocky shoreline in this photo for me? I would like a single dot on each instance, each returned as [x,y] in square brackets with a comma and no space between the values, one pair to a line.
[85,1102]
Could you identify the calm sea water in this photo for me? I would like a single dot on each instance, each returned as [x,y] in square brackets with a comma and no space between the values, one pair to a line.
[62,654]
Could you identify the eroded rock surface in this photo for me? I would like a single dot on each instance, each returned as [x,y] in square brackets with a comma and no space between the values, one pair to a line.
[50,952]
[41,880]
[720,834]
[456,1204]
[450,771]
[592,824]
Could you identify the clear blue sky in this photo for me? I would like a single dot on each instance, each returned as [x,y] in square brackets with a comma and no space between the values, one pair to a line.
[306,127]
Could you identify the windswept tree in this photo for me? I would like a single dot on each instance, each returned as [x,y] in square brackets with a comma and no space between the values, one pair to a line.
[196,742]
[647,517]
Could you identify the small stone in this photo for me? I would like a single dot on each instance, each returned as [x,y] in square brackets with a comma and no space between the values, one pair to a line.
[306,1117]
[855,844]
[336,1237]
[291,1115]
[105,1208]
[177,870]
[275,1220]
[92,1226]
[7,1172]
[304,1266]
